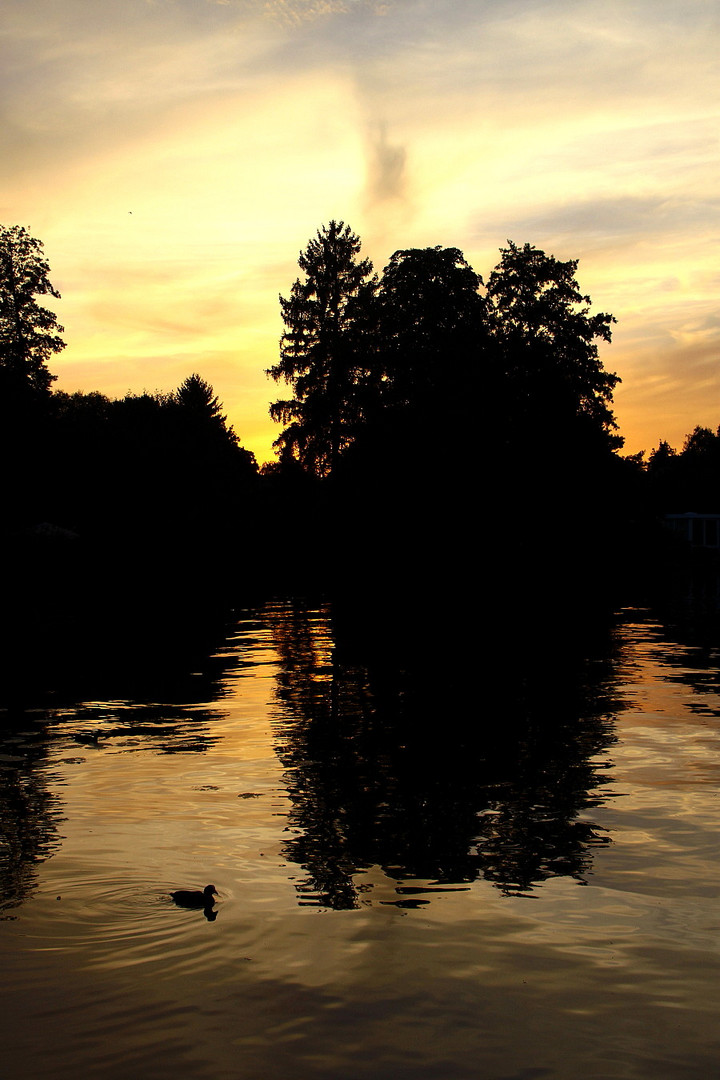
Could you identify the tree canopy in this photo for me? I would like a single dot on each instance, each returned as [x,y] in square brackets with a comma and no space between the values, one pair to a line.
[321,355]
[426,350]
[29,333]
[430,324]
[545,340]
[688,480]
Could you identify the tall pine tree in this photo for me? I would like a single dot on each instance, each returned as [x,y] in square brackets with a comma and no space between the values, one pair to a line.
[322,351]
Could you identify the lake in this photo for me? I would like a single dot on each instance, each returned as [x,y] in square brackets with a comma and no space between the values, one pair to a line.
[477,873]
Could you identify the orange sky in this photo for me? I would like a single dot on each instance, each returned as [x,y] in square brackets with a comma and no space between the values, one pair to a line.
[174,156]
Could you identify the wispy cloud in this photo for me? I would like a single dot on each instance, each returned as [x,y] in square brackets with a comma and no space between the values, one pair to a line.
[386,167]
[297,12]
[609,220]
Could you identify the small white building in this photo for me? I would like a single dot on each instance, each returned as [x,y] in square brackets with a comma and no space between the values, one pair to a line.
[699,530]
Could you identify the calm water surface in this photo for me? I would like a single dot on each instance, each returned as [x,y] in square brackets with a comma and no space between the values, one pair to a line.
[393,901]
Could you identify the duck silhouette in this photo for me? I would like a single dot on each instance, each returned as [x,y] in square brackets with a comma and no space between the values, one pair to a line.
[193,898]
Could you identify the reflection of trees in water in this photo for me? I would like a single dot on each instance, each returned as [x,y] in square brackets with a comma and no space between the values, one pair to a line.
[130,664]
[681,632]
[145,658]
[163,729]
[404,770]
[93,632]
[29,814]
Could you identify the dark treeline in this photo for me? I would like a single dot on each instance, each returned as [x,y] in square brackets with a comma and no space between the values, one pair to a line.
[687,480]
[148,483]
[151,466]
[447,444]
[460,433]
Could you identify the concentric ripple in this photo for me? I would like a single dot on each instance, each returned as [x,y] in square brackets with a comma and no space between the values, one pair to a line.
[114,924]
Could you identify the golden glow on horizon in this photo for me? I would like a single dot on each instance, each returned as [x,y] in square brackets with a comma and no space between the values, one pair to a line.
[175,158]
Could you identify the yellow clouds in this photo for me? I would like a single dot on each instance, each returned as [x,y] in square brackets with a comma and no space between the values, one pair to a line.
[171,250]
[175,156]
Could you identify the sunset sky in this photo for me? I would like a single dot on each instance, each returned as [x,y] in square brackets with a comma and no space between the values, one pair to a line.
[174,156]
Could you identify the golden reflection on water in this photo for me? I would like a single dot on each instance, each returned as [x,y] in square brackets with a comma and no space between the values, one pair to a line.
[608,966]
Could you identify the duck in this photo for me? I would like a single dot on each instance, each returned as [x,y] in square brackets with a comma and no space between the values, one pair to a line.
[193,898]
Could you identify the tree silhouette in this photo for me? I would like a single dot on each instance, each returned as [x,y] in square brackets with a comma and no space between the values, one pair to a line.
[148,469]
[686,481]
[197,397]
[556,485]
[429,383]
[321,350]
[29,333]
[431,317]
[700,443]
[206,447]
[544,339]
[204,427]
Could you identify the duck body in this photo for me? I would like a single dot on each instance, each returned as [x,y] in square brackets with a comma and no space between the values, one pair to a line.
[194,898]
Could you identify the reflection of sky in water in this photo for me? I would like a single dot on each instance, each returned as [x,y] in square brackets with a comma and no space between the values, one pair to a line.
[664,818]
[422,976]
